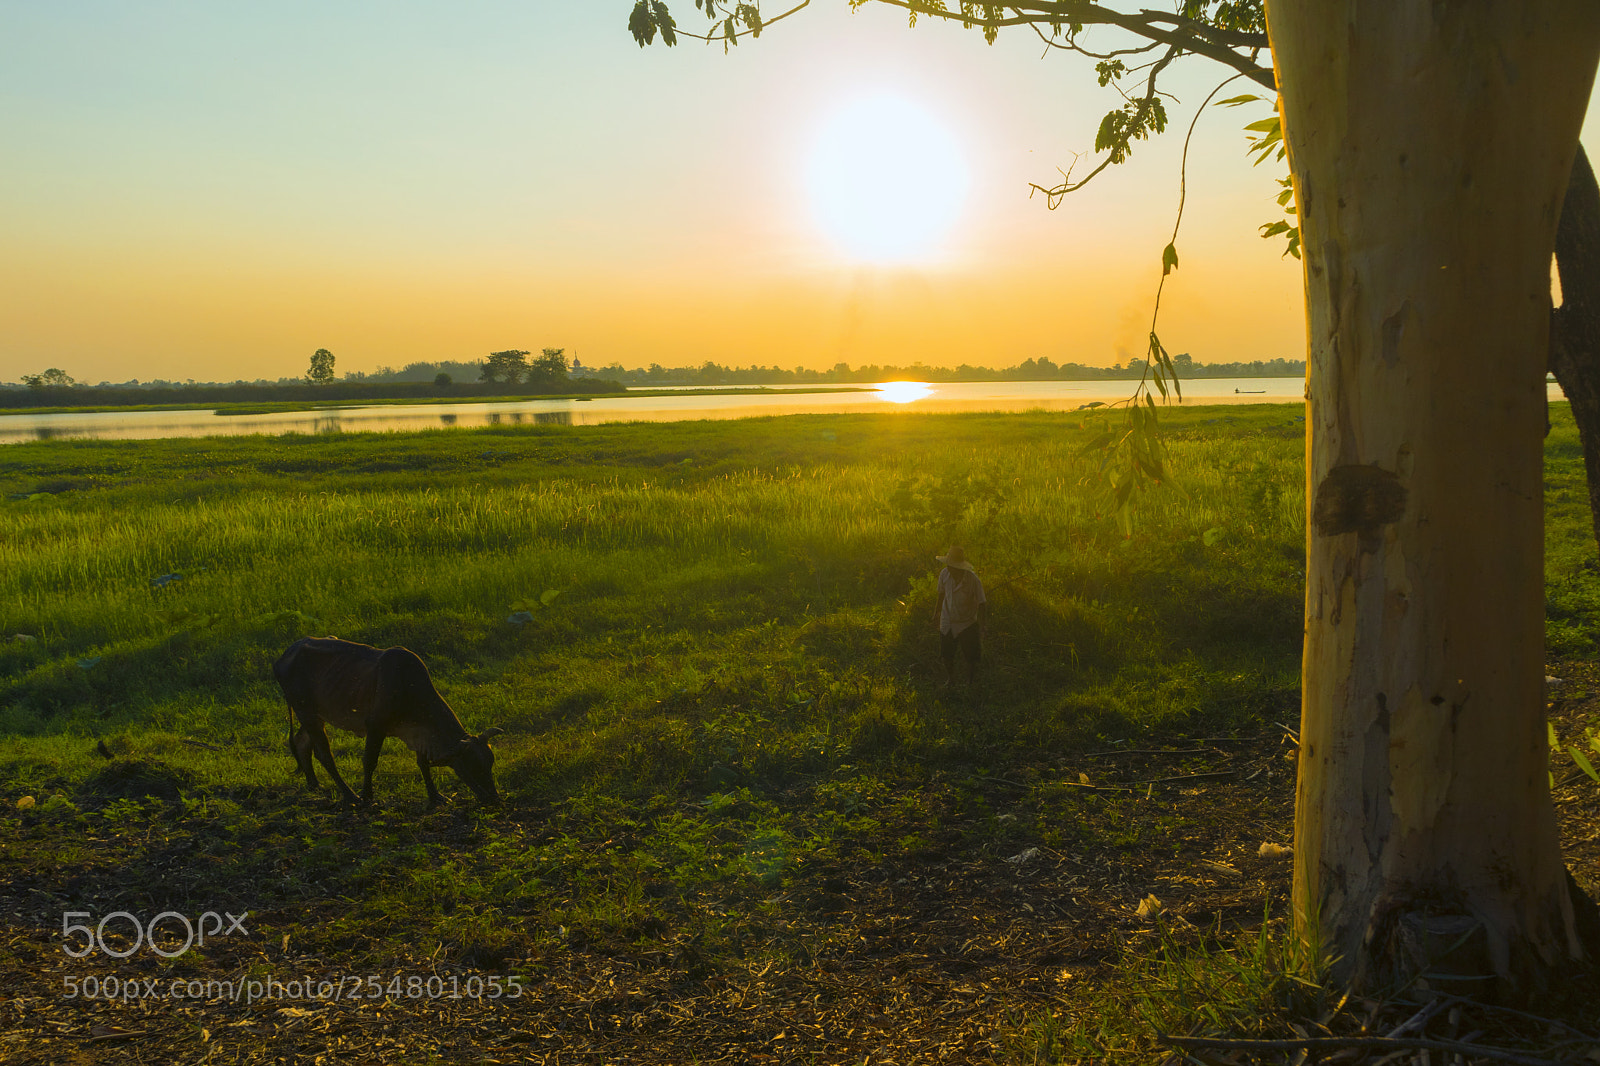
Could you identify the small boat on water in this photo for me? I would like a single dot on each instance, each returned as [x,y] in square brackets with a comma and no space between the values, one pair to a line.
[1247,392]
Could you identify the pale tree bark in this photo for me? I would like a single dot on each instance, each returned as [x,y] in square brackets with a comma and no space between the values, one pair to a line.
[1430,144]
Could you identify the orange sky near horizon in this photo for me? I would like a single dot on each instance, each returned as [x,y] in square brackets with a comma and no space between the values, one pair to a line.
[214,194]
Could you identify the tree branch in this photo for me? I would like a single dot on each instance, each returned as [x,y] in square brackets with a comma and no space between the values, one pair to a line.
[1213,43]
[1230,38]
[1073,46]
[1054,194]
[711,37]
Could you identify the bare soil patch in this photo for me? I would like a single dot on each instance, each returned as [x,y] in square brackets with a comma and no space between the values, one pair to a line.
[938,953]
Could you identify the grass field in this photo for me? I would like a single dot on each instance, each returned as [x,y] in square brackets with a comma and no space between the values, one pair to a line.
[710,645]
[785,562]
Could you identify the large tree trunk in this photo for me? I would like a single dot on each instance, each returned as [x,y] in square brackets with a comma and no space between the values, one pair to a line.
[1430,145]
[1575,325]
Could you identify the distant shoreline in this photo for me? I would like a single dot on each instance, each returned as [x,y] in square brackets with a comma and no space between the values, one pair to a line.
[266,398]
[227,399]
[275,406]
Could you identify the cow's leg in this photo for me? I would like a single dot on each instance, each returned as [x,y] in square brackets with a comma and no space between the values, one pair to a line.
[434,799]
[319,744]
[369,764]
[300,748]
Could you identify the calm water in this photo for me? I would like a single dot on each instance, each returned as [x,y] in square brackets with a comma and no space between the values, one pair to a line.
[903,396]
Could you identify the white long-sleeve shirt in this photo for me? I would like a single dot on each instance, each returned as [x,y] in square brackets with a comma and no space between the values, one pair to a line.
[963,599]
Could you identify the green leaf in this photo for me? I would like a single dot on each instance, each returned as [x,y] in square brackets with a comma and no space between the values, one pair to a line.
[1150,466]
[1583,763]
[1235,101]
[548,596]
[1169,259]
[1106,135]
[1271,130]
[664,23]
[1125,520]
[1550,729]
[649,18]
[1125,486]
[1108,70]
[1094,445]
[1212,535]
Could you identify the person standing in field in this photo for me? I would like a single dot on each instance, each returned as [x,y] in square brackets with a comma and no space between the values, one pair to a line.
[959,614]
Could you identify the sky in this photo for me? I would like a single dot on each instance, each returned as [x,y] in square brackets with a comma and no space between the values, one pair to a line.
[195,190]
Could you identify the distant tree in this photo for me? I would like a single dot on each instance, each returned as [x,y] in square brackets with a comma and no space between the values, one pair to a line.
[321,372]
[441,379]
[551,366]
[507,367]
[54,378]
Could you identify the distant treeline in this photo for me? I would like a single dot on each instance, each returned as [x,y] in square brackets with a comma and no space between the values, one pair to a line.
[449,378]
[134,393]
[1041,369]
[709,373]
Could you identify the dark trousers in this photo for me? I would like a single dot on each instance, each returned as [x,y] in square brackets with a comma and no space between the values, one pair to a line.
[970,643]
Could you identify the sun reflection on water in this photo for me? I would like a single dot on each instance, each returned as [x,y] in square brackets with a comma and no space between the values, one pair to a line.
[904,391]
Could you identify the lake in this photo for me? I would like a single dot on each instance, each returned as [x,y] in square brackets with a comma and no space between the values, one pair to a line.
[665,405]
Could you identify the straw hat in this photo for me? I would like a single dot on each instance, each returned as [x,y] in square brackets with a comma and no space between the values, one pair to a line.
[956,559]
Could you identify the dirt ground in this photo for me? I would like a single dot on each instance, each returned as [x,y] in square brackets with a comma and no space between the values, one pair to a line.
[942,956]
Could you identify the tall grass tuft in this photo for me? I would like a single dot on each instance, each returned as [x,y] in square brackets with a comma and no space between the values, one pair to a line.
[1179,980]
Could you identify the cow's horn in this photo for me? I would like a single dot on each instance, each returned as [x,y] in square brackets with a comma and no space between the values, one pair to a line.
[490,733]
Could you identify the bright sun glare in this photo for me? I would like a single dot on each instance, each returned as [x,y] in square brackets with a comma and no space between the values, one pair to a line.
[887,180]
[903,391]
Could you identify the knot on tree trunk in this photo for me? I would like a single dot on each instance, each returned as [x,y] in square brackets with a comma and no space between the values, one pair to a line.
[1358,499]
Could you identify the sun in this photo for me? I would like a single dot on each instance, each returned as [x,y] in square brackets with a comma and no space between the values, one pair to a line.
[903,391]
[886,179]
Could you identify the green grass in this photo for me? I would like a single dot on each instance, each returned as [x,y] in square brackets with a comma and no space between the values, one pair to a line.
[1571,567]
[736,678]
[740,606]
[1176,979]
[770,564]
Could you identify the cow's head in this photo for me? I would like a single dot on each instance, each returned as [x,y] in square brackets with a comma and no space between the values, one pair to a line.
[473,762]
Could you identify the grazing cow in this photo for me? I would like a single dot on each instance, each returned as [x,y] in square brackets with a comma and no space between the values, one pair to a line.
[377,693]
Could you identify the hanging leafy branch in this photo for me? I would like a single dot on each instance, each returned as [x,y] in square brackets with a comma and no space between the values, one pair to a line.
[729,22]
[1138,443]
